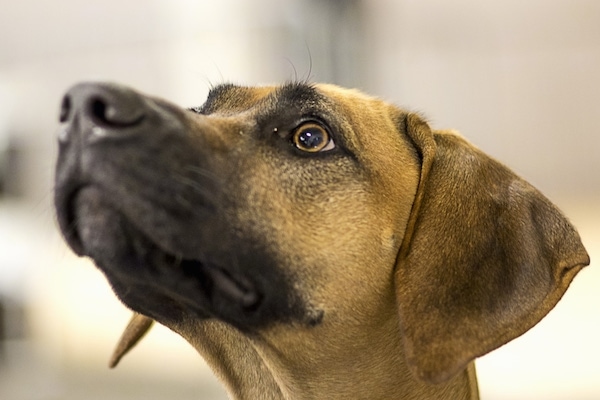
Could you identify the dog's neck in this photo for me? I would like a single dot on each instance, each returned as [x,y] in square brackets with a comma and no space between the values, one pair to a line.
[371,370]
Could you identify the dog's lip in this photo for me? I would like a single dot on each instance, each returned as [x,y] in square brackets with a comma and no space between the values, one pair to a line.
[235,286]
[66,216]
[209,275]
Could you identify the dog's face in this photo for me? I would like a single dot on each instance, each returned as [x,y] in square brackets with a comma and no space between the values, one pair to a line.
[312,218]
[257,208]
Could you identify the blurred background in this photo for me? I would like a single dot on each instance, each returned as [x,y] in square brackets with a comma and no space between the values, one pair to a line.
[521,79]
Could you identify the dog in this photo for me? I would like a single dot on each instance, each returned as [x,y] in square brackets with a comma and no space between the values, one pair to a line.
[310,241]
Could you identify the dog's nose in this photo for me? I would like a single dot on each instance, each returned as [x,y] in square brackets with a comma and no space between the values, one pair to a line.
[102,110]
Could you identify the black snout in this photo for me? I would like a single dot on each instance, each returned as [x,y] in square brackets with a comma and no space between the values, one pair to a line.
[111,137]
[101,110]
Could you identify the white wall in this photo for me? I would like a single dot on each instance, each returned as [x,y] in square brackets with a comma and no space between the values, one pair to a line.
[519,78]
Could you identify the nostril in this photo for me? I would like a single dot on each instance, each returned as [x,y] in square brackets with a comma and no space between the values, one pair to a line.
[121,115]
[65,109]
[98,110]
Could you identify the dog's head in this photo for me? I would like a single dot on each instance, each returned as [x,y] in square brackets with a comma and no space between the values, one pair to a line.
[311,217]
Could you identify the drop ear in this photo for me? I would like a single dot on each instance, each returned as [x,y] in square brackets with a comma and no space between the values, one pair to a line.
[485,256]
[138,326]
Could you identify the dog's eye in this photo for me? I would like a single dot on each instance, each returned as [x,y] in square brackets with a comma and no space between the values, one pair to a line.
[312,137]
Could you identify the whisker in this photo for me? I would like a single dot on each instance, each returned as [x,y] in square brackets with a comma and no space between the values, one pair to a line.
[308,77]
[207,197]
[187,206]
[291,63]
[198,188]
[202,172]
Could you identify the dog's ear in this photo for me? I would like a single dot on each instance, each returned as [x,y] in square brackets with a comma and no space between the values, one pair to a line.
[137,327]
[484,258]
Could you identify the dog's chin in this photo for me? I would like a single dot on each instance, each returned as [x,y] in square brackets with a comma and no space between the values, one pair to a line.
[165,284]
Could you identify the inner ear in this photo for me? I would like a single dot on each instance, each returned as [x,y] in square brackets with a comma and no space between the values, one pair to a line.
[485,257]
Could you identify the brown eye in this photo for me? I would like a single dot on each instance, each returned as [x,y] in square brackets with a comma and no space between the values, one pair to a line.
[312,137]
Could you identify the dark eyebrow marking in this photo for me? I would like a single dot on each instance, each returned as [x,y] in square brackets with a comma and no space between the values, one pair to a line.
[219,89]
[295,98]
[289,102]
[298,93]
[214,95]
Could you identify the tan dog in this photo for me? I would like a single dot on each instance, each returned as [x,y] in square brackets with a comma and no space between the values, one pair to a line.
[311,242]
